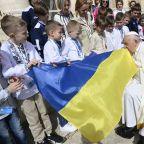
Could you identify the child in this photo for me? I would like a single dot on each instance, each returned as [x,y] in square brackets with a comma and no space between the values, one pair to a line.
[52,48]
[52,55]
[126,18]
[142,22]
[112,35]
[120,27]
[65,15]
[72,47]
[17,58]
[119,7]
[133,24]
[38,34]
[29,16]
[109,12]
[9,119]
[131,4]
[97,42]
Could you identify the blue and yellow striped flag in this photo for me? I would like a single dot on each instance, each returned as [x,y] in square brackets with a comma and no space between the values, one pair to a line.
[88,93]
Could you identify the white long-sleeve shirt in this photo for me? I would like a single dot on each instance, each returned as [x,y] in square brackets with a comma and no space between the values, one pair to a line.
[72,49]
[52,53]
[112,40]
[11,68]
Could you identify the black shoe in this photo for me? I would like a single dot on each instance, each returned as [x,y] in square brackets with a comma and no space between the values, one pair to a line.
[45,141]
[141,140]
[126,132]
[56,138]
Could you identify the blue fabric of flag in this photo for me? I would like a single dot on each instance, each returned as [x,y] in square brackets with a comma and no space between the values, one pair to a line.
[60,84]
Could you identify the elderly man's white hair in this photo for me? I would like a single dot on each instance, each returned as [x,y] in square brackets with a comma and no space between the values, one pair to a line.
[133,35]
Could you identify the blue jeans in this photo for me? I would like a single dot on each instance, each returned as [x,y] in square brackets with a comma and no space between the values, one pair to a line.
[9,126]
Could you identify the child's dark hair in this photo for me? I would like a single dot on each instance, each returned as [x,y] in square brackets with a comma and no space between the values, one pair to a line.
[117,1]
[109,20]
[109,10]
[119,16]
[100,22]
[41,9]
[52,25]
[133,1]
[136,7]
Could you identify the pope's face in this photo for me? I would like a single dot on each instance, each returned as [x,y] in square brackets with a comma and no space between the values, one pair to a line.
[130,44]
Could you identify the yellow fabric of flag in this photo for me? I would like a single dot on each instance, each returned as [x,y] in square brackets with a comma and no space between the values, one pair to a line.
[97,108]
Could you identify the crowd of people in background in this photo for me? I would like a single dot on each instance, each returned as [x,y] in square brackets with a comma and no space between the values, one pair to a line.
[66,37]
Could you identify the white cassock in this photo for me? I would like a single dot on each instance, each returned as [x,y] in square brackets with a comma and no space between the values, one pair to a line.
[133,100]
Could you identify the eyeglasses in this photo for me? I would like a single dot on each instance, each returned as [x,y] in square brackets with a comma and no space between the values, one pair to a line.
[104,1]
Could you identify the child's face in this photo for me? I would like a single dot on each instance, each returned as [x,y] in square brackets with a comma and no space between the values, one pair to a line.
[57,34]
[99,29]
[132,4]
[142,22]
[119,24]
[119,6]
[76,32]
[44,18]
[126,20]
[20,36]
[109,28]
[66,9]
[135,14]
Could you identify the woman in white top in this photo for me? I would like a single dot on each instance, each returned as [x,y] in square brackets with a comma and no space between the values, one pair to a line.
[85,20]
[65,15]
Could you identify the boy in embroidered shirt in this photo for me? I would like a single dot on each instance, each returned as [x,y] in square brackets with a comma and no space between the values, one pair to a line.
[123,30]
[52,55]
[10,124]
[71,46]
[97,42]
[52,48]
[18,56]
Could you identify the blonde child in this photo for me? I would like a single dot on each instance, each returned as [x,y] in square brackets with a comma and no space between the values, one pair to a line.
[72,47]
[52,48]
[18,56]
[52,55]
[65,15]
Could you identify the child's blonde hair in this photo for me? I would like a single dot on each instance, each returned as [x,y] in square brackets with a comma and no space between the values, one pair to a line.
[11,24]
[72,25]
[52,25]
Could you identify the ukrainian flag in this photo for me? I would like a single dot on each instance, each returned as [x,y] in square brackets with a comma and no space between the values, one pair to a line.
[88,93]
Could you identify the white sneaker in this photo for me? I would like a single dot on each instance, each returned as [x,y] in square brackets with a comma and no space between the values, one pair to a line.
[68,128]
